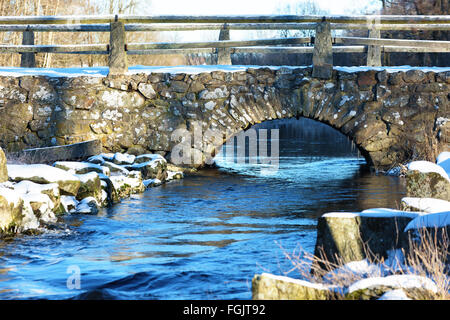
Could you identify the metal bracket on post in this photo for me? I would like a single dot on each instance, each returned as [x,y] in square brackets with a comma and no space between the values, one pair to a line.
[323,51]
[224,54]
[28,59]
[118,62]
[374,52]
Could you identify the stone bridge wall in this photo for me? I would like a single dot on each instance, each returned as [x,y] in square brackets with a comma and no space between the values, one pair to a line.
[392,117]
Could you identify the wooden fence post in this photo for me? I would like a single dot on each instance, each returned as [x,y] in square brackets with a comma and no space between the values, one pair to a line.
[118,62]
[374,52]
[224,54]
[323,51]
[27,59]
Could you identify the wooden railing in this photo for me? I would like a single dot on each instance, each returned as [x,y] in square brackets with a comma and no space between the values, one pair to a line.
[323,43]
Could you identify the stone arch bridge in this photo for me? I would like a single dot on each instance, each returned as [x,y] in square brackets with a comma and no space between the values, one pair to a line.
[392,116]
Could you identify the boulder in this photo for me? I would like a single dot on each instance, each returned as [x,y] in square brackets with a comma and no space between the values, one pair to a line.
[414,286]
[425,179]
[153,169]
[115,168]
[16,215]
[50,190]
[88,205]
[3,168]
[90,186]
[343,237]
[41,205]
[128,185]
[44,174]
[271,287]
[123,158]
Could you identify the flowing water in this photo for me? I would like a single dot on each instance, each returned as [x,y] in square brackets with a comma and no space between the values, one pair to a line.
[203,237]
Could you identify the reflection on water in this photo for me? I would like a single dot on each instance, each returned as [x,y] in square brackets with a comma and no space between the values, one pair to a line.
[203,237]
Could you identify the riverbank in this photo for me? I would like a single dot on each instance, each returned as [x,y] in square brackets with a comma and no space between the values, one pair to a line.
[34,195]
[378,253]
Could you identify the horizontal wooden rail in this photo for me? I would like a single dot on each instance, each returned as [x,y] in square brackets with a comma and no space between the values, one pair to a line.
[445,45]
[382,19]
[69,48]
[216,26]
[217,44]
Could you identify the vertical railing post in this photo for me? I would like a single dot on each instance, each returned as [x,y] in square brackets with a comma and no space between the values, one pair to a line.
[27,59]
[323,51]
[118,63]
[374,52]
[224,54]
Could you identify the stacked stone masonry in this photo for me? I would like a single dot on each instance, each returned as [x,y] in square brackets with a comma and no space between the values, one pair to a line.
[391,117]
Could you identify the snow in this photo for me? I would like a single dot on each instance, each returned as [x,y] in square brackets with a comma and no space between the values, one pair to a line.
[428,205]
[362,268]
[148,157]
[394,281]
[87,177]
[152,182]
[78,167]
[443,160]
[397,294]
[103,71]
[123,158]
[86,206]
[69,203]
[31,187]
[432,220]
[48,173]
[426,167]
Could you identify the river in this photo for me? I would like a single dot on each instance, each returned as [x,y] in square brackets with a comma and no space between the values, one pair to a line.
[203,237]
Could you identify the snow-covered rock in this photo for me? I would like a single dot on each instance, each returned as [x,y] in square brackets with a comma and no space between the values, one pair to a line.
[90,186]
[123,158]
[427,167]
[81,167]
[44,174]
[88,205]
[427,205]
[375,287]
[69,203]
[272,287]
[16,215]
[397,294]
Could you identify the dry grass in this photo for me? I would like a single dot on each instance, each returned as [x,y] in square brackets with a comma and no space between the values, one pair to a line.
[427,255]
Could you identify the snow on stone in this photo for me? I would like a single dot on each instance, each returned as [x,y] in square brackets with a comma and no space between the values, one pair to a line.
[44,172]
[431,220]
[148,157]
[123,158]
[86,177]
[426,167]
[88,205]
[396,282]
[29,220]
[397,294]
[96,159]
[299,282]
[151,182]
[81,167]
[428,205]
[31,187]
[362,268]
[69,203]
[171,175]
